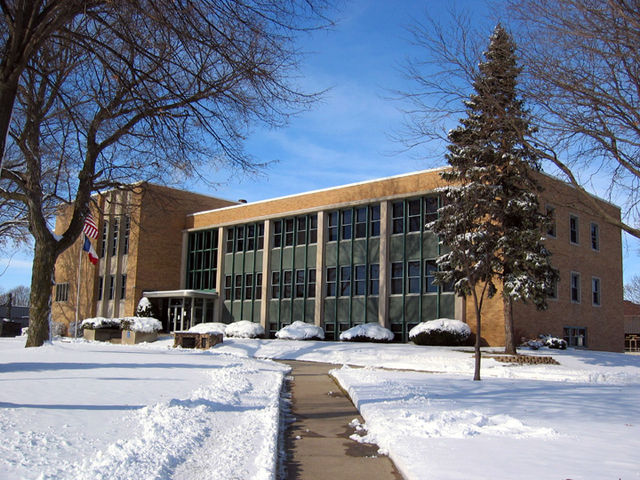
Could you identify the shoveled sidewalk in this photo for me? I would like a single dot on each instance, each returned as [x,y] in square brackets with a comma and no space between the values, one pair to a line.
[317,442]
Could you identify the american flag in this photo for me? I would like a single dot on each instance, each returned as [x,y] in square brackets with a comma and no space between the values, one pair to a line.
[90,228]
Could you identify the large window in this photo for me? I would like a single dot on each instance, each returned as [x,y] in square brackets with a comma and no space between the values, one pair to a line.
[331,281]
[245,238]
[575,287]
[301,230]
[397,217]
[413,277]
[100,287]
[595,291]
[412,215]
[430,269]
[397,274]
[361,222]
[105,238]
[345,232]
[311,283]
[114,237]
[345,281]
[595,236]
[112,286]
[202,259]
[575,336]
[275,284]
[123,287]
[359,279]
[127,233]
[332,227]
[574,236]
[374,279]
[374,220]
[62,292]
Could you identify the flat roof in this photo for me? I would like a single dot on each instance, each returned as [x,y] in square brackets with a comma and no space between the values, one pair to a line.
[181,294]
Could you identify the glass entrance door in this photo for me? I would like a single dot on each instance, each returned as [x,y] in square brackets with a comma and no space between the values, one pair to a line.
[175,313]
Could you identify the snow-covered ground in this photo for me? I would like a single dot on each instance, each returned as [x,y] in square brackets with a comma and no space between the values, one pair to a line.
[88,410]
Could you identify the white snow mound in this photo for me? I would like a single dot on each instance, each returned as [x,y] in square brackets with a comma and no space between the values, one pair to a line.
[209,327]
[374,331]
[244,329]
[441,324]
[300,331]
[142,324]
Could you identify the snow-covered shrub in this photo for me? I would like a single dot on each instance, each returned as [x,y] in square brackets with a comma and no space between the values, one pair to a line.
[144,308]
[443,332]
[534,344]
[367,332]
[209,327]
[97,323]
[58,329]
[300,331]
[244,329]
[554,342]
[141,324]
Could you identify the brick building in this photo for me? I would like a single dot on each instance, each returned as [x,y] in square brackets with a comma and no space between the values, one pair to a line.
[335,257]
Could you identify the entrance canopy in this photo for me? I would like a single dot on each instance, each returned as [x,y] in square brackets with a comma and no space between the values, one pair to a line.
[182,309]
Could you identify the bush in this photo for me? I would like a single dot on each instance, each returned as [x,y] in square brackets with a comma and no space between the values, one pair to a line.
[440,332]
[299,330]
[244,329]
[554,342]
[144,309]
[141,324]
[367,332]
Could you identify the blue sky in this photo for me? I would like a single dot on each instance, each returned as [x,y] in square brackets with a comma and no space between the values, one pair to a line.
[345,138]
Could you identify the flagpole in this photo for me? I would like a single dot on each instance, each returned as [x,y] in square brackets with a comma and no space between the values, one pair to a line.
[75,333]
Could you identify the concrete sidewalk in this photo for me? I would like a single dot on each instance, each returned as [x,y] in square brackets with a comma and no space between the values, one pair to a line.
[317,441]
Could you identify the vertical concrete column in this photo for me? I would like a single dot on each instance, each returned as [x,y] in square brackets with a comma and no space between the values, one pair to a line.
[383,296]
[219,304]
[266,276]
[184,259]
[318,314]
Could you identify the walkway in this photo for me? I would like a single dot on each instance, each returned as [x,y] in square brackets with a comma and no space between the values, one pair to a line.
[318,440]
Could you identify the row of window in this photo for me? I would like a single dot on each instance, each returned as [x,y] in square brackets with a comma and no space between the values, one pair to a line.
[295,231]
[62,289]
[240,286]
[413,215]
[576,296]
[111,287]
[353,280]
[351,223]
[245,238]
[574,230]
[111,236]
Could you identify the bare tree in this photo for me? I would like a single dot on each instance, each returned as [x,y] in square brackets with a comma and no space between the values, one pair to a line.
[580,78]
[147,91]
[19,296]
[632,289]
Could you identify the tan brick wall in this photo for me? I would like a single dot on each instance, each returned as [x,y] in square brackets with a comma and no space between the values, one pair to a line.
[604,323]
[155,243]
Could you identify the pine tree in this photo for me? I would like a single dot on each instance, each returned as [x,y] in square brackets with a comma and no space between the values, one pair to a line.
[490,219]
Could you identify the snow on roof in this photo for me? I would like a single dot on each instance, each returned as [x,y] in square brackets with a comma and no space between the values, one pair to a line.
[181,293]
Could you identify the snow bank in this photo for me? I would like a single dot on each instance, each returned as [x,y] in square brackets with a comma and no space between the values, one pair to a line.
[141,324]
[209,327]
[300,331]
[442,324]
[101,322]
[373,331]
[244,329]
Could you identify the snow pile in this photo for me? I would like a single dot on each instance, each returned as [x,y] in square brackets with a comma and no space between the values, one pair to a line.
[141,324]
[421,419]
[300,331]
[209,327]
[244,329]
[96,323]
[443,331]
[367,332]
[136,412]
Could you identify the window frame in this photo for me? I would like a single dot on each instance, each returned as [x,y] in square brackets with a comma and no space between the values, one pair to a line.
[594,232]
[397,281]
[575,288]
[62,292]
[574,231]
[596,291]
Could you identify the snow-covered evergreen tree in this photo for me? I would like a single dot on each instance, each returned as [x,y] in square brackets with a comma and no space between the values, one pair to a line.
[490,220]
[145,308]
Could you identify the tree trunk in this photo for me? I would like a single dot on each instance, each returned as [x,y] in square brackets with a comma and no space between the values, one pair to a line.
[44,261]
[8,92]
[509,330]
[478,354]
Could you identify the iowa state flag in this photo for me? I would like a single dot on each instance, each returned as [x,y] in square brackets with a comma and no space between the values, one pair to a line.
[87,247]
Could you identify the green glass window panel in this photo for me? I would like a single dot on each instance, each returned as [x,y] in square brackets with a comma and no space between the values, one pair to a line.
[430,307]
[395,309]
[413,247]
[396,249]
[330,254]
[359,251]
[447,305]
[287,258]
[430,245]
